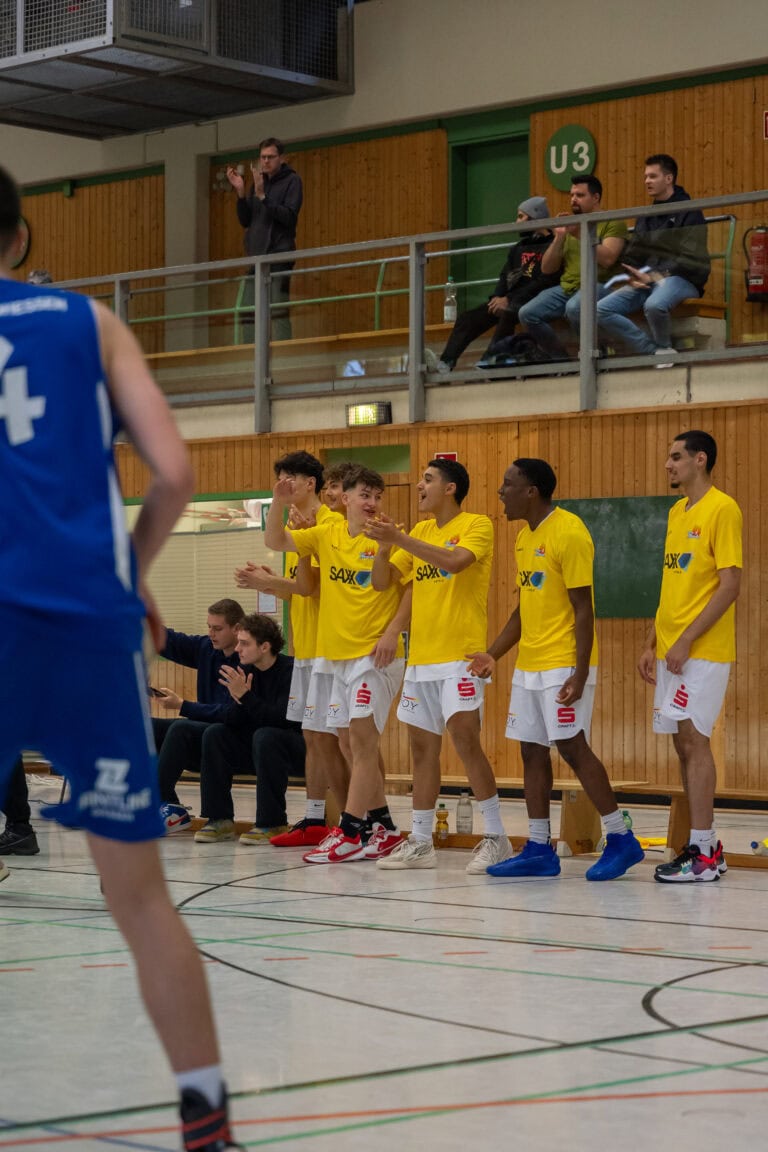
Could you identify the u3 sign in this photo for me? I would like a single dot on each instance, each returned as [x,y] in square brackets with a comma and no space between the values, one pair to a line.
[569,152]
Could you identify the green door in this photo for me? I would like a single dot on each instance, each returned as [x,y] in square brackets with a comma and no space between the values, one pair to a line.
[489,181]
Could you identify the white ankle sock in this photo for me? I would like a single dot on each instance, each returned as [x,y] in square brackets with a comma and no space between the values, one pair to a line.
[614,824]
[315,810]
[702,838]
[422,824]
[208,1081]
[539,831]
[491,812]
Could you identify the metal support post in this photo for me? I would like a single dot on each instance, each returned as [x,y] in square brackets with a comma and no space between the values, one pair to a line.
[417,406]
[262,421]
[587,325]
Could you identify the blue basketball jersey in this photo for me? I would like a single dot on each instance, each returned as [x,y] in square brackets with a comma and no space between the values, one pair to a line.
[64,548]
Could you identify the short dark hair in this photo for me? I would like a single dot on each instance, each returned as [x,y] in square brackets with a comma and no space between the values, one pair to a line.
[664,161]
[264,631]
[10,210]
[592,183]
[359,474]
[301,464]
[697,441]
[335,473]
[272,142]
[454,473]
[539,475]
[229,609]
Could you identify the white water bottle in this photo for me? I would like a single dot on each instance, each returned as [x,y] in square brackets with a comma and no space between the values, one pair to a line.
[464,815]
[450,309]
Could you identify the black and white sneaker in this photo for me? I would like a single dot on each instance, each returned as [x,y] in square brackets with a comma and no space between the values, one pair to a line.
[205,1129]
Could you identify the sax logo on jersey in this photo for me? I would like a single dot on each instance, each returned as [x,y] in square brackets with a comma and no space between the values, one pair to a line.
[350,576]
[566,716]
[431,572]
[532,580]
[110,799]
[679,701]
[677,561]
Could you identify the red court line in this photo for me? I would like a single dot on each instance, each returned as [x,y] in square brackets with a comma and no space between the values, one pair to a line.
[3,970]
[372,1113]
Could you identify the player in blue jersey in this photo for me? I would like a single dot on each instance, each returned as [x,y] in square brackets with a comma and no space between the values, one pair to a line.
[71,374]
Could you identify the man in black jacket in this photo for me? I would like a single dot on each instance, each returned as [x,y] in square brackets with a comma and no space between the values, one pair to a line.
[255,737]
[666,261]
[519,280]
[269,215]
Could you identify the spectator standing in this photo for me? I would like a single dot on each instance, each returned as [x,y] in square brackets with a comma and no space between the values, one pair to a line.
[18,837]
[269,213]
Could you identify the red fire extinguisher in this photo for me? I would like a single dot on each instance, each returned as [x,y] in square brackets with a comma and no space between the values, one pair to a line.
[756,254]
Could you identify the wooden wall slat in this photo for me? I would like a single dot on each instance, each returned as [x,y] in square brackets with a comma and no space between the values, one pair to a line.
[602,454]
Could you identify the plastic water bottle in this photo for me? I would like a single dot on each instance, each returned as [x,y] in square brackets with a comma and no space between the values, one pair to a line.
[760,847]
[627,823]
[441,828]
[464,815]
[450,308]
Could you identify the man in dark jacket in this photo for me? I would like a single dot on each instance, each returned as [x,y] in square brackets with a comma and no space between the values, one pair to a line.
[519,280]
[179,740]
[269,215]
[666,261]
[254,738]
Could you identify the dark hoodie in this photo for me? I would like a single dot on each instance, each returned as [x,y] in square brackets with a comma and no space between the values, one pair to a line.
[675,245]
[270,224]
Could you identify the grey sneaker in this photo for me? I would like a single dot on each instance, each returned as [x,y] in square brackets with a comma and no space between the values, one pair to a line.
[216,830]
[490,850]
[257,835]
[444,367]
[430,360]
[410,854]
[669,357]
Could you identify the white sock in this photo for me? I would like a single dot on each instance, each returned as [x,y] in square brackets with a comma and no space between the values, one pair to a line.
[702,838]
[714,835]
[539,831]
[614,823]
[422,824]
[491,811]
[315,810]
[207,1081]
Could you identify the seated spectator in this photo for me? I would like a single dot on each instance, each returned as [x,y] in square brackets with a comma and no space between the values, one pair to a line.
[18,838]
[666,262]
[254,738]
[179,740]
[519,280]
[564,254]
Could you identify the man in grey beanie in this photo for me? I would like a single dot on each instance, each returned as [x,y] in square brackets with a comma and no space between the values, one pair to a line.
[519,281]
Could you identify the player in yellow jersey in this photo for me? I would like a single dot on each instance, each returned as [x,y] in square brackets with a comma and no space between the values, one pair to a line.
[325,764]
[446,560]
[553,686]
[692,643]
[359,663]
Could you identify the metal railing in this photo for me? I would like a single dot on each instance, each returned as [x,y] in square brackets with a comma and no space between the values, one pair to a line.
[420,251]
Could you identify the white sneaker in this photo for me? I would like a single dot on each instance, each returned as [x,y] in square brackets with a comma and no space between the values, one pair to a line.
[668,352]
[215,831]
[490,850]
[410,854]
[444,368]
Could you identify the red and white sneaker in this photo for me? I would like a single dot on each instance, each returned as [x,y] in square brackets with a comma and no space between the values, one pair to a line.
[382,842]
[722,864]
[336,849]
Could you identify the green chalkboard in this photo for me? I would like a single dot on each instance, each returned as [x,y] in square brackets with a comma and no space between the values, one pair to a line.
[629,537]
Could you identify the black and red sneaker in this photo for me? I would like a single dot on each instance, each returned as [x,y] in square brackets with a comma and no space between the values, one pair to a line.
[205,1129]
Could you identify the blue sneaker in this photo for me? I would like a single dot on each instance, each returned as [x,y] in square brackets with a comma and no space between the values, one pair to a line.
[175,817]
[621,851]
[534,860]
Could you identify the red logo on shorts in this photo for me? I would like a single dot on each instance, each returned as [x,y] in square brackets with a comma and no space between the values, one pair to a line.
[466,689]
[680,697]
[363,695]
[566,715]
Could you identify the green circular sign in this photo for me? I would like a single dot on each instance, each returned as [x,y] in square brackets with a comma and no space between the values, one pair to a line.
[570,152]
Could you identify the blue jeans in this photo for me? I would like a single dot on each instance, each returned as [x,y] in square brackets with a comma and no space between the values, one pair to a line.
[657,304]
[549,305]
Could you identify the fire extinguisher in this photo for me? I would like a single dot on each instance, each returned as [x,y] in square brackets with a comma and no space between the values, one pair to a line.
[756,255]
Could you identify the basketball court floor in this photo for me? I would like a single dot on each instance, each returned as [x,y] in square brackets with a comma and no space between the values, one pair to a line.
[420,1010]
